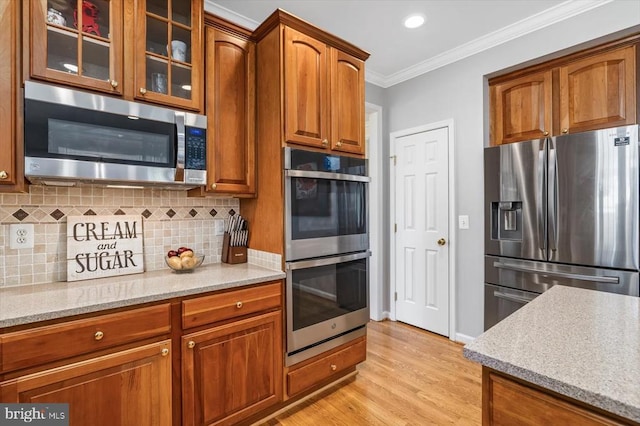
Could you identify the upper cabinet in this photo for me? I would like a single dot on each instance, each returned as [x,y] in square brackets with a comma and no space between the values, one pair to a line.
[590,90]
[598,91]
[147,50]
[231,101]
[521,108]
[78,42]
[323,93]
[168,52]
[11,158]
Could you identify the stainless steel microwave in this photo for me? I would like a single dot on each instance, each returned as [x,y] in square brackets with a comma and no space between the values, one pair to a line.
[73,137]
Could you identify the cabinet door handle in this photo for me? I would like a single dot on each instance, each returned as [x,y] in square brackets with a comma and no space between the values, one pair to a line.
[164,352]
[191,344]
[99,335]
[334,367]
[214,186]
[339,144]
[3,174]
[565,130]
[143,91]
[239,305]
[545,133]
[325,142]
[113,83]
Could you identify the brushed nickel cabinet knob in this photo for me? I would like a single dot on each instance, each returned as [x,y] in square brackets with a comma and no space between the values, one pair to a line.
[339,144]
[239,305]
[3,174]
[143,91]
[565,130]
[545,133]
[334,367]
[325,142]
[214,186]
[113,83]
[165,352]
[99,335]
[191,344]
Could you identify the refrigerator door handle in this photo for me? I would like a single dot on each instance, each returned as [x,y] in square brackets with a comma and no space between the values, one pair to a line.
[553,197]
[581,277]
[541,205]
[512,297]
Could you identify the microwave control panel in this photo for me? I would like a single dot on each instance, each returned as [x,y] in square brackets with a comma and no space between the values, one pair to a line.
[196,148]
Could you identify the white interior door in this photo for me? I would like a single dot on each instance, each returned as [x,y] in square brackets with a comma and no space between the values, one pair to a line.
[422,236]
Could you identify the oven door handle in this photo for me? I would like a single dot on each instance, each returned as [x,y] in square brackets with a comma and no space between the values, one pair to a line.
[181,147]
[326,261]
[326,175]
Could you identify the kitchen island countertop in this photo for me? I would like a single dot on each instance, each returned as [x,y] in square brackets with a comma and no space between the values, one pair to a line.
[583,344]
[40,302]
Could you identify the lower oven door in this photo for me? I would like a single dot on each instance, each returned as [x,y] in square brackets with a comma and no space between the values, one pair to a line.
[326,297]
[500,302]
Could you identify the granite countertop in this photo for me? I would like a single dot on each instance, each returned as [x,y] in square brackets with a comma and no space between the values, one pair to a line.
[32,303]
[584,344]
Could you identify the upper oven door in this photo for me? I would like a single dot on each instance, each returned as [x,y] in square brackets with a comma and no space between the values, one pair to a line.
[325,205]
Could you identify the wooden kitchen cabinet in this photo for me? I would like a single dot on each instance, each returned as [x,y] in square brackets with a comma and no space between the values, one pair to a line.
[521,108]
[111,368]
[76,48]
[168,55]
[507,401]
[589,90]
[230,109]
[233,370]
[129,388]
[146,50]
[323,95]
[598,91]
[11,164]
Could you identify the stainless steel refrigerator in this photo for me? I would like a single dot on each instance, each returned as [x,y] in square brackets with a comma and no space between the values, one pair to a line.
[560,210]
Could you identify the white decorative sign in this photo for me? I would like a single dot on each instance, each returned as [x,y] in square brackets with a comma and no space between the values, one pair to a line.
[103,246]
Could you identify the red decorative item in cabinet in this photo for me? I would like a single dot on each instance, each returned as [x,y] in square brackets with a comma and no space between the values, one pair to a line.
[89,18]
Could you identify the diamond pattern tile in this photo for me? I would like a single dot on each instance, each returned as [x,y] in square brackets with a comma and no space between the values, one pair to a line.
[89,213]
[20,214]
[119,212]
[193,212]
[56,214]
[232,212]
[146,213]
[171,213]
[213,212]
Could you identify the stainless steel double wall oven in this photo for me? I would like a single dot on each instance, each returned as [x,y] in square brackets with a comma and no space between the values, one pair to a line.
[327,251]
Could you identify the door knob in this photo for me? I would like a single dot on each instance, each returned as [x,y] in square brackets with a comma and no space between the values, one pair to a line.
[442,242]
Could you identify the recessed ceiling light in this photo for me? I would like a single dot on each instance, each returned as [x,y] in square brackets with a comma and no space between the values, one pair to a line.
[414,21]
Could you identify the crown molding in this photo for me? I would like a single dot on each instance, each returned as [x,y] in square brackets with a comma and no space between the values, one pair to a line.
[528,25]
[230,15]
[561,12]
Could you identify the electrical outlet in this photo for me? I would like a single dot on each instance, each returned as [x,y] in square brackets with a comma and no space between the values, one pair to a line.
[218,227]
[21,236]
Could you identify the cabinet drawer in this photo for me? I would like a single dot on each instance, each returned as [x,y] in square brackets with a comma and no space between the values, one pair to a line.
[305,377]
[209,309]
[49,343]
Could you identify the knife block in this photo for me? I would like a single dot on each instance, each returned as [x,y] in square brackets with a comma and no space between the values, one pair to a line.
[230,254]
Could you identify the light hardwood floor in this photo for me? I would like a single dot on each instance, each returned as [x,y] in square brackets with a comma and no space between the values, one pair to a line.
[410,377]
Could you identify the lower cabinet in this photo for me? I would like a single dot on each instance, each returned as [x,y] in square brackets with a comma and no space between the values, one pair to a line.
[326,367]
[232,371]
[128,388]
[508,402]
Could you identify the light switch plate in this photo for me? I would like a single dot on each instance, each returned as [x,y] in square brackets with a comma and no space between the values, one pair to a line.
[463,221]
[21,236]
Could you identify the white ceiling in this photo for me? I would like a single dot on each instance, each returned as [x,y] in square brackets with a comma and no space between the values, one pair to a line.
[454,29]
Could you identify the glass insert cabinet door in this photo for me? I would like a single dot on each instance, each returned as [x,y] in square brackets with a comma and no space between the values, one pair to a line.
[169,56]
[78,42]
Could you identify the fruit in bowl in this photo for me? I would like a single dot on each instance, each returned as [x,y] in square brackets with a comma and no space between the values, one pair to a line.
[183,260]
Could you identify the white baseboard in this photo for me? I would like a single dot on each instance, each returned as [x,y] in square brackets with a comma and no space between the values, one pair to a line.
[385,315]
[463,338]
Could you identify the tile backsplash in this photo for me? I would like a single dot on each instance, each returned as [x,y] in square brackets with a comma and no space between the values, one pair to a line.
[171,219]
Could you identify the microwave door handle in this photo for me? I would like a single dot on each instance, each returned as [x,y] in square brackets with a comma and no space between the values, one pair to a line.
[180,154]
